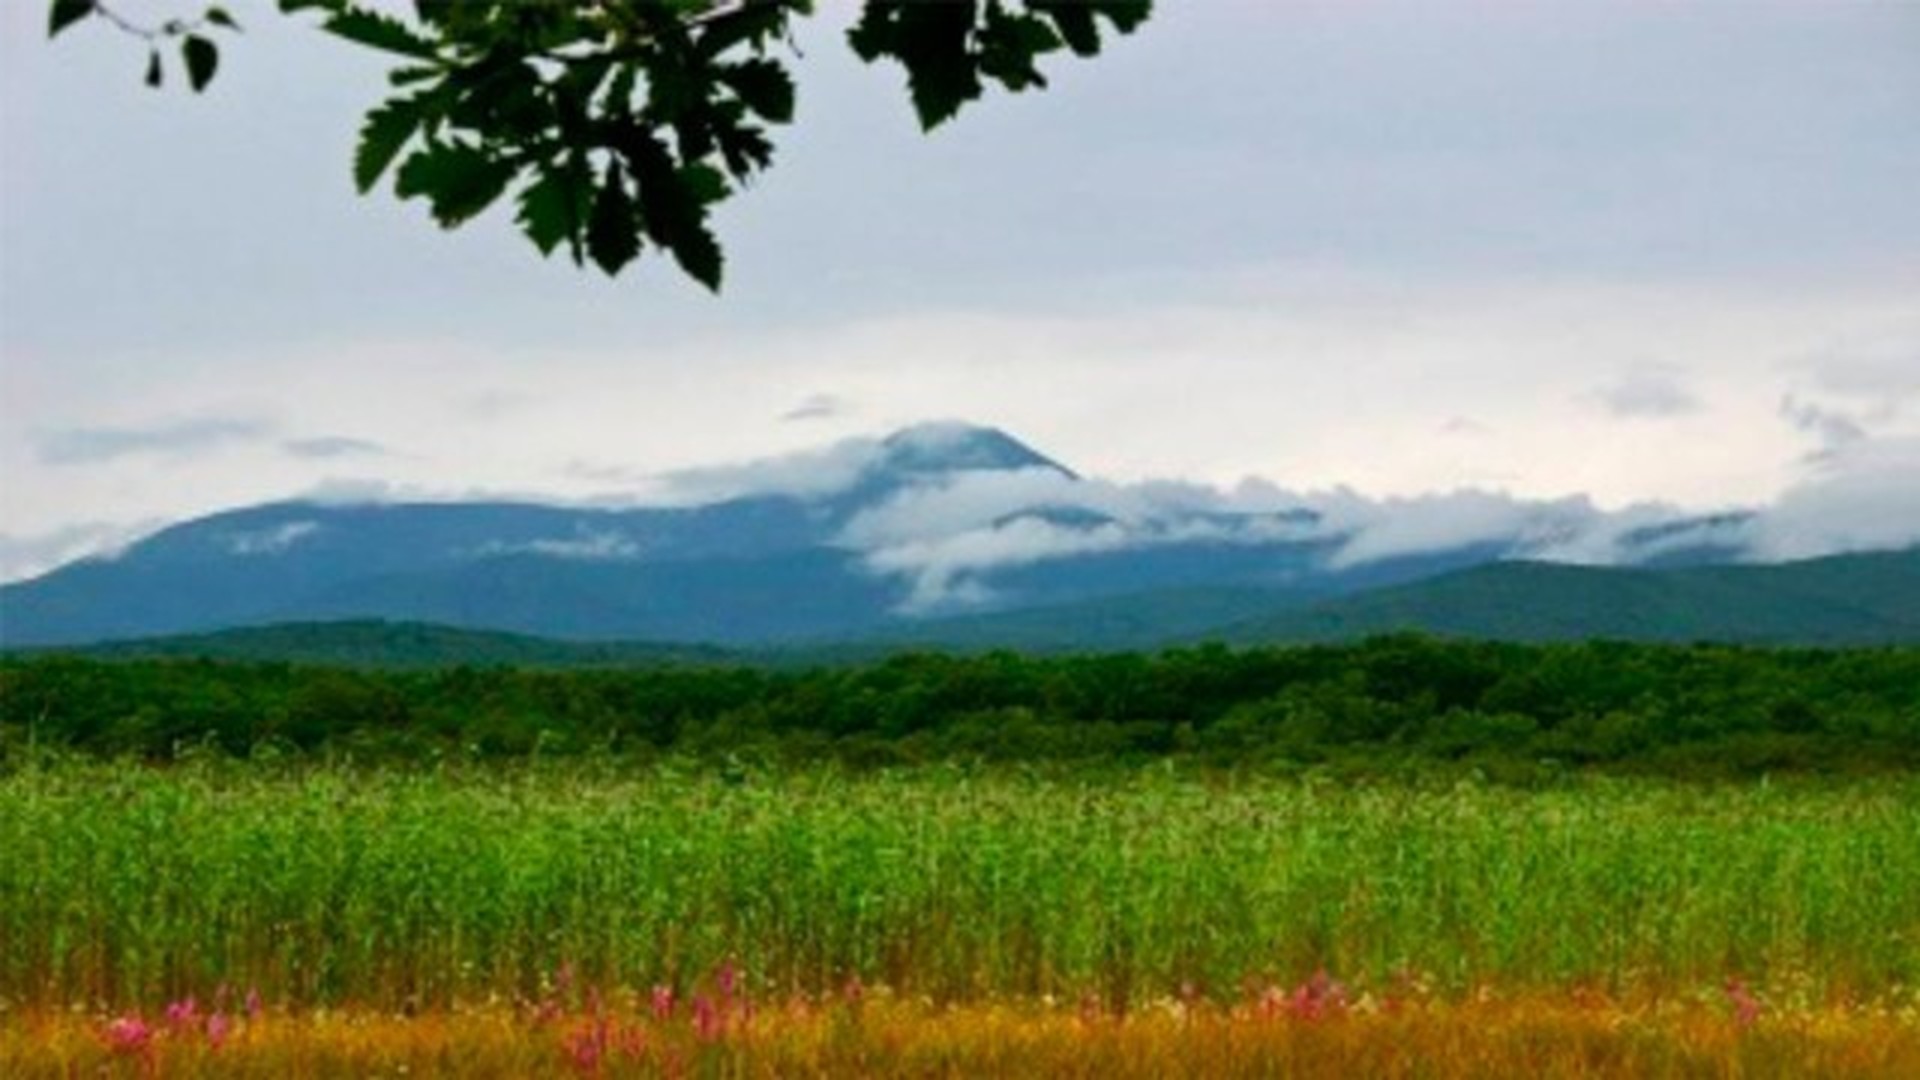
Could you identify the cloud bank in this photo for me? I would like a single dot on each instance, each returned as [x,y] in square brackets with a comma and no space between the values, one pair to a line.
[946,534]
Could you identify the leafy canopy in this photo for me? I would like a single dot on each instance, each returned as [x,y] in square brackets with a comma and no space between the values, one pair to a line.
[618,124]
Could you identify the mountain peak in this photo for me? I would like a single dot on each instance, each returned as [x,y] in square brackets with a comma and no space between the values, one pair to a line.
[952,445]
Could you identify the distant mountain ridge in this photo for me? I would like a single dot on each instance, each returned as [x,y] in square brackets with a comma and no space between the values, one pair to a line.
[1864,599]
[1844,600]
[938,529]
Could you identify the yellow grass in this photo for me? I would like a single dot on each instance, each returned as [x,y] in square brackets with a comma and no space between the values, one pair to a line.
[1301,1033]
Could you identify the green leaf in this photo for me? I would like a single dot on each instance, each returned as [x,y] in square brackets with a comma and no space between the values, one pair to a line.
[1126,15]
[698,253]
[554,208]
[379,31]
[1009,45]
[155,76]
[458,181]
[202,58]
[744,148]
[65,13]
[1076,26]
[931,41]
[673,203]
[385,131]
[752,23]
[408,76]
[613,236]
[704,182]
[217,16]
[763,85]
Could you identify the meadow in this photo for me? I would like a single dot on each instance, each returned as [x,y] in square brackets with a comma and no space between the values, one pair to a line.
[1016,899]
[1402,858]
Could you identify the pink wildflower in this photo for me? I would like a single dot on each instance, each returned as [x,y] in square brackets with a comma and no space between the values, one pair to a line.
[662,1001]
[218,1027]
[586,1046]
[707,1021]
[128,1035]
[1746,1007]
[183,1013]
[1319,996]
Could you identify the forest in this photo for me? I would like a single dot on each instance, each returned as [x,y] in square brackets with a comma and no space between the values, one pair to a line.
[1514,712]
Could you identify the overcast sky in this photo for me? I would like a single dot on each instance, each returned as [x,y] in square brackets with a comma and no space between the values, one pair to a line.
[1628,250]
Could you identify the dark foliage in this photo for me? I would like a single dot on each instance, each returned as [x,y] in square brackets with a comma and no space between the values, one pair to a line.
[1389,703]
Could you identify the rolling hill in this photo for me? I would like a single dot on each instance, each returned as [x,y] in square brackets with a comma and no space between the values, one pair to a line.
[1870,598]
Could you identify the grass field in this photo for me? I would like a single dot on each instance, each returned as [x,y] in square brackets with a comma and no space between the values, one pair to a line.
[1607,924]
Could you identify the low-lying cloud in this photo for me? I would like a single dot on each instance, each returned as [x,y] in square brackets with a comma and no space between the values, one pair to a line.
[274,540]
[1862,495]
[587,545]
[23,557]
[805,473]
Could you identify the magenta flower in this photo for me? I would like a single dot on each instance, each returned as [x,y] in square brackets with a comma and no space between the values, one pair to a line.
[128,1035]
[586,1046]
[707,1021]
[1746,1008]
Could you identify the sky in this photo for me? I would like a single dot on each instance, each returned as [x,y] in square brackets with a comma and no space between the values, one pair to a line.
[1626,252]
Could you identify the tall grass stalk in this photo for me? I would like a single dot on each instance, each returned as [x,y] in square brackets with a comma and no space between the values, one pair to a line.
[120,884]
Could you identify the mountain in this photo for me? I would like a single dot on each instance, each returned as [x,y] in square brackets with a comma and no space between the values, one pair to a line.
[1866,599]
[376,643]
[945,532]
[1859,599]
[761,567]
[1131,621]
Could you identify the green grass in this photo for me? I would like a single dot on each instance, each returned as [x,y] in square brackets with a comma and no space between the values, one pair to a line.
[121,883]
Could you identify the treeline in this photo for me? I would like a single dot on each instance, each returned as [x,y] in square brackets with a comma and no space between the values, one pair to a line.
[1509,710]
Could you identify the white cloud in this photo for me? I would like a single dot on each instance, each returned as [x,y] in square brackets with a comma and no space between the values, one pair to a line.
[805,473]
[1863,495]
[957,502]
[1387,528]
[939,568]
[588,545]
[271,541]
[23,557]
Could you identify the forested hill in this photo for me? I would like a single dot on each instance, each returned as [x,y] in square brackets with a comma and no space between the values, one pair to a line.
[378,643]
[1868,598]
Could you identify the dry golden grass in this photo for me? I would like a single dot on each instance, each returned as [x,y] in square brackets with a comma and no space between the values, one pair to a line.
[1310,1031]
